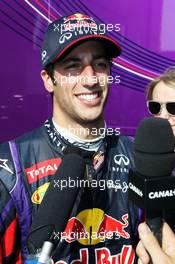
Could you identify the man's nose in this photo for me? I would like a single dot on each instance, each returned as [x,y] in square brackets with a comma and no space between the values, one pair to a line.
[89,77]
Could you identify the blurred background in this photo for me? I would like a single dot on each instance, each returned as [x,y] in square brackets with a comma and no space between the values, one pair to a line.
[147,36]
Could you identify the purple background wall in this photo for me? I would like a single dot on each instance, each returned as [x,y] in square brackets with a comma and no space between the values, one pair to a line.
[147,36]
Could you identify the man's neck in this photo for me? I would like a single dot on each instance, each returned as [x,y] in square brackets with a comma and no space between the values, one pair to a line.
[87,144]
[86,131]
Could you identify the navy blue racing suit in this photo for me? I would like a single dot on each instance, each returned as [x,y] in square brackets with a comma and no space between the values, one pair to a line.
[27,165]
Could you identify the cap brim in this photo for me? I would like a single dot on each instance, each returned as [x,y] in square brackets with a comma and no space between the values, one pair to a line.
[113,48]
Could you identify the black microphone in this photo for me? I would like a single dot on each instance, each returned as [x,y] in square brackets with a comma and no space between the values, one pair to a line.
[151,185]
[56,207]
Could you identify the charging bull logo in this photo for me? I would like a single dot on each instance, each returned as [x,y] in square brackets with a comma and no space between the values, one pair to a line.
[92,226]
[98,160]
[76,16]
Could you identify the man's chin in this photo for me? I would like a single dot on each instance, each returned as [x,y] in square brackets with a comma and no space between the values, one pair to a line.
[91,120]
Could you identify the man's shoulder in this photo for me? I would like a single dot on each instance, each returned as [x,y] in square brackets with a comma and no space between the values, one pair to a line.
[126,145]
[31,136]
[15,153]
[126,140]
[117,141]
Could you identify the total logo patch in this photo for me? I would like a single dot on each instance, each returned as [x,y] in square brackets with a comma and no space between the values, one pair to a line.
[42,169]
[38,195]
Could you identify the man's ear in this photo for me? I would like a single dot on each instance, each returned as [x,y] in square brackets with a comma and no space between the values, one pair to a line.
[48,83]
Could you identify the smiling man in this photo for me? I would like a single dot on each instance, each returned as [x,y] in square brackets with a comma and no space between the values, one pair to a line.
[78,96]
[76,59]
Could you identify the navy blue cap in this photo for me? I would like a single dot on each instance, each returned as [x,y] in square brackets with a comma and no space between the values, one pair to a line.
[65,32]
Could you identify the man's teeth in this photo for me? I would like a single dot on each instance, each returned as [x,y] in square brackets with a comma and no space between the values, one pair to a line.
[88,97]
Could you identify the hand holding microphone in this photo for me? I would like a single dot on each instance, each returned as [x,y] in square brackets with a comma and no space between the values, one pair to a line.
[148,243]
[151,185]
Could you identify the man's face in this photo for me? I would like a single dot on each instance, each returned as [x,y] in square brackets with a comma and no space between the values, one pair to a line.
[81,84]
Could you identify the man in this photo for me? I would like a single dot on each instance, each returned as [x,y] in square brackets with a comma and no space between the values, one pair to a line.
[76,61]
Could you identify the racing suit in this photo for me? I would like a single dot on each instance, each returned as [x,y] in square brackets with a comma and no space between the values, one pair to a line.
[27,165]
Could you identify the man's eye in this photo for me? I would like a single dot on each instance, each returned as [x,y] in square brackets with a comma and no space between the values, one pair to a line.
[101,65]
[73,66]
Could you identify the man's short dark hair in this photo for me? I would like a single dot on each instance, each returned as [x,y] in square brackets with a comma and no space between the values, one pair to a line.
[50,71]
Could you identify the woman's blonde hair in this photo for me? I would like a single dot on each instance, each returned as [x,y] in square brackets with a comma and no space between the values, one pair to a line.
[168,77]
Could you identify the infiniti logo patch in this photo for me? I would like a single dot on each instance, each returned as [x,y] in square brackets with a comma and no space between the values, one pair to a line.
[121,159]
[122,162]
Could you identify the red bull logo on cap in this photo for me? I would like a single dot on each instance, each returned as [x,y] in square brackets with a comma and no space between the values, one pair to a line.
[92,226]
[98,160]
[77,16]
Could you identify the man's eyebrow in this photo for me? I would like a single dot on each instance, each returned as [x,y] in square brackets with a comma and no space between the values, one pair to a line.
[77,59]
[71,59]
[99,56]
